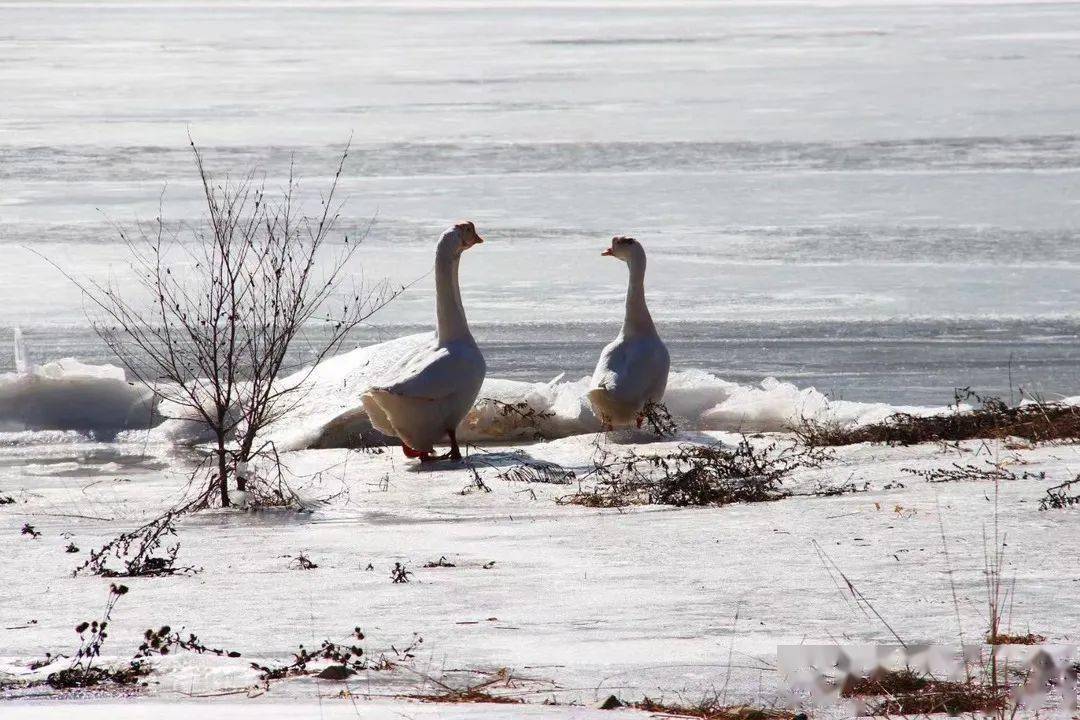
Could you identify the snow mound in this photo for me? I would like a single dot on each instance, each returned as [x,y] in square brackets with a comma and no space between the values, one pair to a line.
[775,406]
[328,411]
[324,410]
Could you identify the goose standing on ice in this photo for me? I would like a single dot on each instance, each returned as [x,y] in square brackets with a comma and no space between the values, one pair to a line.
[437,385]
[633,370]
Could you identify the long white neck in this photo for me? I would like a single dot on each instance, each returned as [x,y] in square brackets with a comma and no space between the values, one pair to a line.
[638,321]
[449,311]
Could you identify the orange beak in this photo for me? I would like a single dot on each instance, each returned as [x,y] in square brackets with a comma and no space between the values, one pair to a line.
[607,253]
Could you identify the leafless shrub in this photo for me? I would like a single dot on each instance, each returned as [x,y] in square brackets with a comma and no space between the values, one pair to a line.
[165,640]
[369,444]
[1036,421]
[696,475]
[477,483]
[330,661]
[267,487]
[398,574]
[396,656]
[1058,497]
[999,593]
[137,552]
[7,500]
[28,529]
[968,472]
[659,419]
[226,303]
[303,562]
[441,562]
[82,672]
[521,416]
[344,660]
[824,488]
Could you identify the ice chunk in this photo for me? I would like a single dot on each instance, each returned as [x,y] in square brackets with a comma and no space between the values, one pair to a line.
[22,362]
[67,394]
[776,406]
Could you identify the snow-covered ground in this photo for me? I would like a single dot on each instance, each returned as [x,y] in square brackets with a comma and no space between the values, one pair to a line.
[580,603]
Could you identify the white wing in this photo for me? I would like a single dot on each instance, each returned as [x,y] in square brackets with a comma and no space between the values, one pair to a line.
[633,370]
[439,373]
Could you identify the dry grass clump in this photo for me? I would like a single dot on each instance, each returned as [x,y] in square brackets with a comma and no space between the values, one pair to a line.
[76,678]
[884,682]
[696,475]
[477,692]
[954,699]
[468,695]
[712,709]
[993,419]
[538,471]
[906,692]
[1014,639]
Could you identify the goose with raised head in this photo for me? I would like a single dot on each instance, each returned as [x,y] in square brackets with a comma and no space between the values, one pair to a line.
[437,385]
[633,370]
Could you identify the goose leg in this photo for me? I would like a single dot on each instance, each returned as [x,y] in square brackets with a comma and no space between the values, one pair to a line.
[418,454]
[455,451]
[454,454]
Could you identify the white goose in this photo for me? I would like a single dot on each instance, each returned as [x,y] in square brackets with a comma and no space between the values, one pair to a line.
[633,370]
[437,385]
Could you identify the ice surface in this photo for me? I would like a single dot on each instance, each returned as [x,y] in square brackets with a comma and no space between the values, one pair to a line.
[647,600]
[867,198]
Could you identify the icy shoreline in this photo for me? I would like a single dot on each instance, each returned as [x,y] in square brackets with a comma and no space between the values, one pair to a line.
[99,400]
[636,601]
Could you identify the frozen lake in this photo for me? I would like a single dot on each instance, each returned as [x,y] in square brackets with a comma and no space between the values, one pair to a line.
[881,200]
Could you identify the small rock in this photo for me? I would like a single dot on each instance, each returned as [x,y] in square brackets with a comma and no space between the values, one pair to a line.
[335,672]
[611,703]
